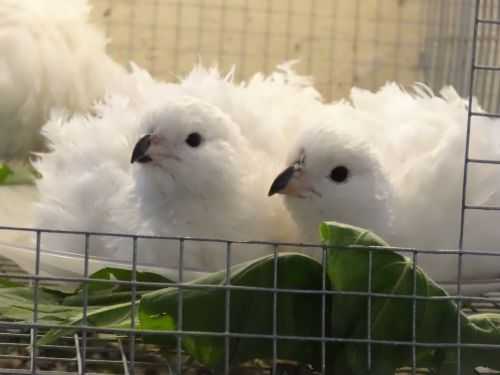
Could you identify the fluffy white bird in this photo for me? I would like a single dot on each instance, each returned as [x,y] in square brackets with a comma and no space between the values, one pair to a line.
[50,57]
[400,155]
[334,173]
[193,174]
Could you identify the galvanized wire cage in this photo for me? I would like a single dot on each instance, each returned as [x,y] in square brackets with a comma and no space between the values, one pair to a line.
[91,349]
[453,42]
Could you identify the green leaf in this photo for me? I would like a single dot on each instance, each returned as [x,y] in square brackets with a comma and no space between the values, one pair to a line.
[18,174]
[17,304]
[391,318]
[478,329]
[251,312]
[5,172]
[105,292]
[114,316]
[109,303]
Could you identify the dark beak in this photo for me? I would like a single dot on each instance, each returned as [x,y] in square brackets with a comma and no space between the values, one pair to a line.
[281,181]
[140,149]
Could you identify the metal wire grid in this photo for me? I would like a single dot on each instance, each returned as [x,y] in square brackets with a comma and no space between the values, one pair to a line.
[79,359]
[128,351]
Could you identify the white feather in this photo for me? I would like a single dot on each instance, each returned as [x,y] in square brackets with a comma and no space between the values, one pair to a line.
[50,57]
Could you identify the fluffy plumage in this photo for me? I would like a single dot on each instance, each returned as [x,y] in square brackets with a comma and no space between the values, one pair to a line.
[213,190]
[418,140]
[197,177]
[268,109]
[334,141]
[50,57]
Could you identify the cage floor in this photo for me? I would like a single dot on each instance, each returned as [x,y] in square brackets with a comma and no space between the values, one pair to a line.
[109,354]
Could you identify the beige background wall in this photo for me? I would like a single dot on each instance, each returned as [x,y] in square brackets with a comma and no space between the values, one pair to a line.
[340,42]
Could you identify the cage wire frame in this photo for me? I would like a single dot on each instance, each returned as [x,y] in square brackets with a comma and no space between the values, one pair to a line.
[128,356]
[128,343]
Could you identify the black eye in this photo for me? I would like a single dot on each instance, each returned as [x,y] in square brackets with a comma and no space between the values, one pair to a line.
[339,174]
[193,139]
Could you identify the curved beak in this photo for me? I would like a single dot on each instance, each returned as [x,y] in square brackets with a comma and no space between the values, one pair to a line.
[281,181]
[140,150]
[292,182]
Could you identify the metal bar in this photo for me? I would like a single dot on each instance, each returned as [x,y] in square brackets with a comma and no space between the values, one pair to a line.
[483,161]
[85,305]
[312,17]
[227,323]
[130,39]
[132,307]
[280,244]
[491,22]
[369,314]
[243,42]
[222,24]
[464,185]
[176,238]
[494,83]
[289,337]
[34,350]
[414,318]
[275,309]
[487,68]
[303,291]
[177,38]
[323,312]
[483,208]
[179,331]
[267,36]
[484,114]
[154,38]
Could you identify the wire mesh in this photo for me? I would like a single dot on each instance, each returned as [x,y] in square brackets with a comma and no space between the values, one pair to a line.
[96,349]
[341,43]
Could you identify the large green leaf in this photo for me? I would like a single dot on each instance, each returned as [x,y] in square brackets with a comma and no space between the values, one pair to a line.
[251,312]
[391,318]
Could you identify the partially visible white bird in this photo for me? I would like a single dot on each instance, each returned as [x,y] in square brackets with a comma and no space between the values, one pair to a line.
[418,140]
[50,57]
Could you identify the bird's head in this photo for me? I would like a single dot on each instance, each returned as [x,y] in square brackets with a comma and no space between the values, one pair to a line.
[332,174]
[186,146]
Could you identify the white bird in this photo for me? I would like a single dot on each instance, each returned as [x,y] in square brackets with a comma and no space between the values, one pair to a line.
[401,156]
[193,174]
[50,57]
[334,173]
